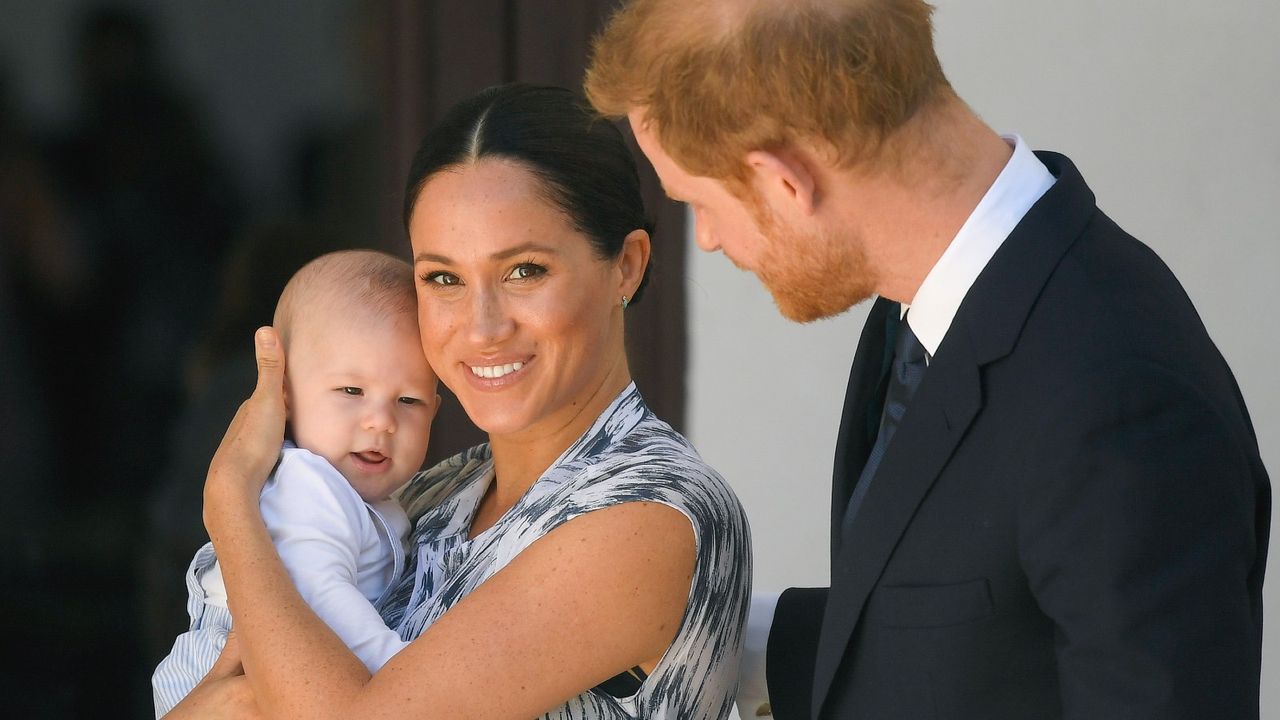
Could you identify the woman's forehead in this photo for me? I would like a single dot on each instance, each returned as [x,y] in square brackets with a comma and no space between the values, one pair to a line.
[487,177]
[488,208]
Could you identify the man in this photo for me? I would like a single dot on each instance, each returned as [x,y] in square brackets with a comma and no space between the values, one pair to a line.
[1048,500]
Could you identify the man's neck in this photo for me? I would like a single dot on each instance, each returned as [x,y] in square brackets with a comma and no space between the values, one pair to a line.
[907,216]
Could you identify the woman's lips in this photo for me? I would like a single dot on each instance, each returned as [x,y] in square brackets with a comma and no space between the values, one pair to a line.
[495,376]
[495,371]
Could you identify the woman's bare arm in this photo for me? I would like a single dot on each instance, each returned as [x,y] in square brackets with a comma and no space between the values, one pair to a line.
[600,594]
[223,693]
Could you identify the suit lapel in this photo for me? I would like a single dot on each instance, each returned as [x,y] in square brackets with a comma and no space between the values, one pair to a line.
[985,328]
[948,399]
[857,434]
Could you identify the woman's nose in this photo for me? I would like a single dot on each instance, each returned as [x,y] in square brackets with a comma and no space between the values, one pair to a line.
[490,323]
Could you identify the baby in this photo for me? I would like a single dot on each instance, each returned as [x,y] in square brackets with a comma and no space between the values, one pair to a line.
[360,400]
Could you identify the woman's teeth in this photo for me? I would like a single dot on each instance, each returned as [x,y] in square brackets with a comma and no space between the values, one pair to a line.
[496,371]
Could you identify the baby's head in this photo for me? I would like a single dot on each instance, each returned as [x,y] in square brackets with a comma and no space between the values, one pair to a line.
[359,391]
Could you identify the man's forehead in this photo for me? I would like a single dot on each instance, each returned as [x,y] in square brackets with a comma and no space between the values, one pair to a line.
[652,148]
[646,133]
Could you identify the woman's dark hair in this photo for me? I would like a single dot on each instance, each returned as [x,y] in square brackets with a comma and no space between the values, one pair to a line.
[580,158]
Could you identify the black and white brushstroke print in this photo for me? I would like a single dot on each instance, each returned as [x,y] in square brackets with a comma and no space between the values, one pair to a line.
[628,455]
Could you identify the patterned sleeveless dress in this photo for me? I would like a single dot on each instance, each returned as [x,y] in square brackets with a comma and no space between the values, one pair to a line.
[628,455]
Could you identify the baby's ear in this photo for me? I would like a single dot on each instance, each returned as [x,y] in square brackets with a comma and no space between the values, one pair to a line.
[436,410]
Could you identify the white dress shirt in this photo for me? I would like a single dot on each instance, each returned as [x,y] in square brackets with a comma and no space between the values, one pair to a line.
[1020,184]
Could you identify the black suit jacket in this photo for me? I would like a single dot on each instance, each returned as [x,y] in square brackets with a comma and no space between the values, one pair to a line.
[1072,519]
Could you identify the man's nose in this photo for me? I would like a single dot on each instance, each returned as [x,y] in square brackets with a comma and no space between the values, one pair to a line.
[702,235]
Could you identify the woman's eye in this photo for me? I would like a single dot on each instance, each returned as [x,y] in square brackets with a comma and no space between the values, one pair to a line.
[525,271]
[439,277]
[349,390]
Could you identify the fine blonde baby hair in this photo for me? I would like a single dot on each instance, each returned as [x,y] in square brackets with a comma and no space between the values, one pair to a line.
[345,283]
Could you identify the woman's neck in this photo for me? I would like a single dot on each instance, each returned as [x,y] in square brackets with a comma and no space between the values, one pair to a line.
[521,458]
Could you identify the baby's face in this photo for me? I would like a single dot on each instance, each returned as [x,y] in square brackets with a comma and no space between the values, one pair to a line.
[362,396]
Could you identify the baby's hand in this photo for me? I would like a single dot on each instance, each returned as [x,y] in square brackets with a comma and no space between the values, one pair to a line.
[251,446]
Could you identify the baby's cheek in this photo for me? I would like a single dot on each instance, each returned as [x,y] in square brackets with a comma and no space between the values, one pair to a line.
[418,440]
[324,433]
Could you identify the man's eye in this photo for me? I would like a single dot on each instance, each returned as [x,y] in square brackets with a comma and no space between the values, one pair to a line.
[525,271]
[439,277]
[349,390]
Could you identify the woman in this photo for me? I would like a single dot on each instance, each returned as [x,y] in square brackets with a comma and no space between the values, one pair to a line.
[584,563]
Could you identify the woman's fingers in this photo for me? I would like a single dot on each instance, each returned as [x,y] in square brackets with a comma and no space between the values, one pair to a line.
[252,443]
[270,364]
[266,409]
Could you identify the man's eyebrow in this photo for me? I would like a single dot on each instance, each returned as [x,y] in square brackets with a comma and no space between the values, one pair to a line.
[520,249]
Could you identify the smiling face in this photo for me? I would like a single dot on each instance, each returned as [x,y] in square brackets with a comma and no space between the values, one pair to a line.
[518,313]
[361,395]
[810,273]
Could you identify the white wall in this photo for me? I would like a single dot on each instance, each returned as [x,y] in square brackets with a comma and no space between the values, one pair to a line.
[1171,110]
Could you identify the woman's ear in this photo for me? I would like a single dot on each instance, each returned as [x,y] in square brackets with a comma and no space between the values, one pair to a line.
[633,261]
[784,179]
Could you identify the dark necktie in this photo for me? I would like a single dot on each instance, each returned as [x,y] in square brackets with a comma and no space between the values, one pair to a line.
[909,364]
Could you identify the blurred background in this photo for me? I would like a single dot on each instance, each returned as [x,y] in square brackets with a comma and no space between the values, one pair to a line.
[165,166]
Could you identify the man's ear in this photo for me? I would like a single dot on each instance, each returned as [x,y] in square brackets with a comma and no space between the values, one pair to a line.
[784,176]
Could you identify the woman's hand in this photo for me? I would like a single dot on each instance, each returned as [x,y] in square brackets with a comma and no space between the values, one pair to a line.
[223,693]
[251,446]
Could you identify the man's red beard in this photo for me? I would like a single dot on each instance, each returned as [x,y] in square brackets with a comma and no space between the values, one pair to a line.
[809,277]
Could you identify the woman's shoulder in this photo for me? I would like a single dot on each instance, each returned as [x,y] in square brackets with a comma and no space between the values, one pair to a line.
[656,452]
[655,463]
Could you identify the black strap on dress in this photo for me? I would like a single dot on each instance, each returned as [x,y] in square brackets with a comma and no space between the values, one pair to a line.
[624,684]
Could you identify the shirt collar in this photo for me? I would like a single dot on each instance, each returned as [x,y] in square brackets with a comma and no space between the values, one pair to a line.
[1022,182]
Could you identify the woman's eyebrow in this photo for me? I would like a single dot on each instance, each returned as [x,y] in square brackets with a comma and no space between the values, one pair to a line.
[430,257]
[510,252]
[521,249]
